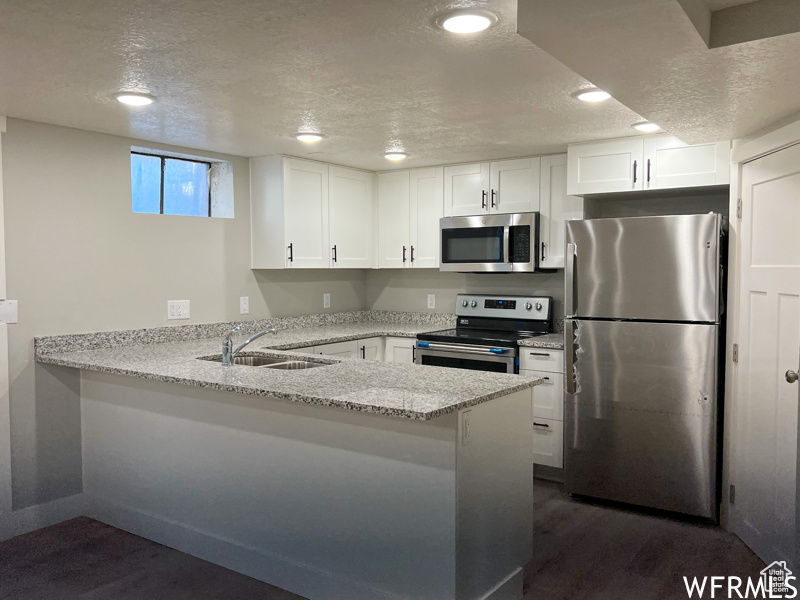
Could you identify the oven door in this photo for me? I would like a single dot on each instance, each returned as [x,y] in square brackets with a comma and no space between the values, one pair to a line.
[475,358]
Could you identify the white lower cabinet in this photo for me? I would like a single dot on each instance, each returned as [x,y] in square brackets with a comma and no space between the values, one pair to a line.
[541,359]
[370,348]
[400,350]
[343,349]
[306,350]
[548,397]
[548,442]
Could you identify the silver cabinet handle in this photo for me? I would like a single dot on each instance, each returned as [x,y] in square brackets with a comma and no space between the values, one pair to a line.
[535,424]
[791,376]
[538,354]
[569,279]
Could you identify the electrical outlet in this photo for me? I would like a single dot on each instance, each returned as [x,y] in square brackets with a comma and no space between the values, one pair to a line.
[431,300]
[326,300]
[177,309]
[466,427]
[244,305]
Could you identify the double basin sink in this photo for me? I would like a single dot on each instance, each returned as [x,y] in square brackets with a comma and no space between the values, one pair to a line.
[270,363]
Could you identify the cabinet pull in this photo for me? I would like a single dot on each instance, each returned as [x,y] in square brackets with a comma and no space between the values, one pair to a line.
[635,165]
[494,194]
[412,254]
[546,378]
[483,198]
[404,254]
[364,352]
[538,354]
[648,170]
[543,245]
[535,424]
[334,254]
[414,353]
[291,253]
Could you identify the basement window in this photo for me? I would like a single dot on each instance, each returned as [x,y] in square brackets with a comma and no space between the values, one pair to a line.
[175,184]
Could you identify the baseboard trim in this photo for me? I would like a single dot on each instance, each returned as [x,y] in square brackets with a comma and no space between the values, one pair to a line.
[304,580]
[29,519]
[508,589]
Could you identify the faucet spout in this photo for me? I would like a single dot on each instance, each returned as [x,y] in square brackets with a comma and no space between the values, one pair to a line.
[229,354]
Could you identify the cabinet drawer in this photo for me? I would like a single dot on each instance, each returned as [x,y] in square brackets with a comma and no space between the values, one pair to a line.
[548,443]
[541,359]
[343,349]
[548,397]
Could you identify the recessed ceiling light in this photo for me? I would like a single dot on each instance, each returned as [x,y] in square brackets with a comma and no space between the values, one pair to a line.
[134,98]
[309,137]
[647,127]
[394,155]
[468,20]
[592,95]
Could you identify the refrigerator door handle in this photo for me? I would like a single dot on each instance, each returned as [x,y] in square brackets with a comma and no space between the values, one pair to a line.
[569,279]
[569,354]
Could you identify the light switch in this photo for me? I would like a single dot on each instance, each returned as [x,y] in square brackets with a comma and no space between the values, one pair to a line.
[177,309]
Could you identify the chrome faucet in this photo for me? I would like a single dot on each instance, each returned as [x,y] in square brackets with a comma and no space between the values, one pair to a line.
[229,354]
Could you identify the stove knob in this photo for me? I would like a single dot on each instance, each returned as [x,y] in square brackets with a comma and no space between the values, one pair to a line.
[473,304]
[464,303]
[528,306]
[538,306]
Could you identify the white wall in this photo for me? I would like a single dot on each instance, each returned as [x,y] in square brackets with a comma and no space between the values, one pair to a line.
[79,261]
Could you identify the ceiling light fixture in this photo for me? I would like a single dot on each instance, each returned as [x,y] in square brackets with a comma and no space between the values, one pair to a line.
[592,95]
[309,137]
[468,20]
[395,155]
[134,98]
[647,127]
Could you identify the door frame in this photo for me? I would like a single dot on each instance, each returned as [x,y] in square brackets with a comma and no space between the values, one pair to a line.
[769,143]
[5,419]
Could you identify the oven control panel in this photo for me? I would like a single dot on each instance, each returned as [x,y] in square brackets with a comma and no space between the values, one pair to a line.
[534,308]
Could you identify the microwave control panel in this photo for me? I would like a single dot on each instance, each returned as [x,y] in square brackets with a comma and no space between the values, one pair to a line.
[520,242]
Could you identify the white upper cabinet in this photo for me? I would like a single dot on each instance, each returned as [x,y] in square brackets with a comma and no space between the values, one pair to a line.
[466,190]
[394,219]
[514,185]
[410,205]
[351,216]
[505,186]
[645,163]
[556,208]
[670,163]
[427,207]
[609,166]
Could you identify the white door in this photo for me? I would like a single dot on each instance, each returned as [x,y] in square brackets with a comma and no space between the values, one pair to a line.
[556,208]
[466,190]
[765,446]
[394,223]
[305,205]
[427,207]
[342,349]
[610,166]
[514,186]
[352,218]
[670,163]
[400,350]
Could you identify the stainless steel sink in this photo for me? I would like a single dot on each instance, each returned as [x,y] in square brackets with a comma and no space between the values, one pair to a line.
[250,361]
[293,365]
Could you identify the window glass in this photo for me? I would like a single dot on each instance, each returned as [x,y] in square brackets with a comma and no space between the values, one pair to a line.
[146,183]
[186,188]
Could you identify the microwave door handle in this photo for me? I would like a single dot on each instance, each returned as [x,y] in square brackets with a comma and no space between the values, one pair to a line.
[507,244]
[569,279]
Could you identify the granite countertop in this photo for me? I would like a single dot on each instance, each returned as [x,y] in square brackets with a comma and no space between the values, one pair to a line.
[407,391]
[554,341]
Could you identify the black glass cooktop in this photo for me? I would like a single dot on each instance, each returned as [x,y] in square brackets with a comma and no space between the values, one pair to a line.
[482,337]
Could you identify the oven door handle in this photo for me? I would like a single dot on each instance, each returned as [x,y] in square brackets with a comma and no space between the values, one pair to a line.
[464,349]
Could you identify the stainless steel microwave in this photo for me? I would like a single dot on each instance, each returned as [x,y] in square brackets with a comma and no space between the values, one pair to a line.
[490,243]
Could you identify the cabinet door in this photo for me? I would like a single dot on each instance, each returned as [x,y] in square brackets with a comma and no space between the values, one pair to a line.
[352,218]
[400,350]
[466,190]
[670,163]
[514,186]
[548,397]
[548,442]
[611,166]
[393,220]
[343,349]
[370,348]
[305,206]
[427,207]
[556,208]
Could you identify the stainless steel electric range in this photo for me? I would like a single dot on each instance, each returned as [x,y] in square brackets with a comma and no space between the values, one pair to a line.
[486,334]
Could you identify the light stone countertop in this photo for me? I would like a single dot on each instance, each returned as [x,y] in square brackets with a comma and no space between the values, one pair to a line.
[407,391]
[553,341]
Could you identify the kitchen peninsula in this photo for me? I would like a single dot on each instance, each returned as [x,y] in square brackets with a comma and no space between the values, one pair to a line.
[356,479]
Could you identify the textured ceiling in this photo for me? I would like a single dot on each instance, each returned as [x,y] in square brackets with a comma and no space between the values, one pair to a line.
[649,56]
[241,76]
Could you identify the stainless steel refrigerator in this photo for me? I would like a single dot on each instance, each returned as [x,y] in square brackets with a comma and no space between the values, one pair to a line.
[643,303]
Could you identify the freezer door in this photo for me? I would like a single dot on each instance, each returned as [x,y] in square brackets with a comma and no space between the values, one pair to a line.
[653,268]
[641,416]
